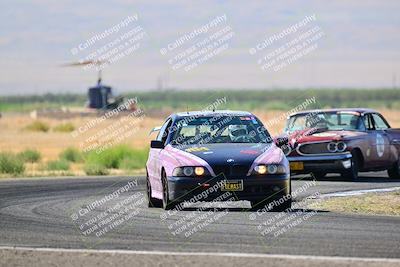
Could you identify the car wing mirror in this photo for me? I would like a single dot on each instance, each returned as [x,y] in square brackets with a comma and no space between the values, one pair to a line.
[156,144]
[281,141]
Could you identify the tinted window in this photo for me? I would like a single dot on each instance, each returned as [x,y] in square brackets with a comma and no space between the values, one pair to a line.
[324,120]
[219,129]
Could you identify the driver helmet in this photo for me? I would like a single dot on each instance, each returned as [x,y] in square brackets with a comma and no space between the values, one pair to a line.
[237,130]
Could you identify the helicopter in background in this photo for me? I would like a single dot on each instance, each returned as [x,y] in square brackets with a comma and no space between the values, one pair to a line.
[100,96]
[101,99]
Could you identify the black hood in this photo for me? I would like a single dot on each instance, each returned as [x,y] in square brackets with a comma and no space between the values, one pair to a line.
[222,156]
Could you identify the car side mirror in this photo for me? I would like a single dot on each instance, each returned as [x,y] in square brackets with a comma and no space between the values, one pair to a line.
[281,141]
[156,144]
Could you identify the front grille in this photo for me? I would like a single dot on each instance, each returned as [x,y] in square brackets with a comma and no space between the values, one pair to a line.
[316,148]
[231,171]
[222,170]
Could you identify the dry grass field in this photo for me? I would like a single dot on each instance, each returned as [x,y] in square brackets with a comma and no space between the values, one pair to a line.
[371,204]
[15,137]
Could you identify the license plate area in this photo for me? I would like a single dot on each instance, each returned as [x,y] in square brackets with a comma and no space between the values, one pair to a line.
[296,166]
[232,185]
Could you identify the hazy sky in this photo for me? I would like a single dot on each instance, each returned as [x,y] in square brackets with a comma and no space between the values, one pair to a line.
[359,47]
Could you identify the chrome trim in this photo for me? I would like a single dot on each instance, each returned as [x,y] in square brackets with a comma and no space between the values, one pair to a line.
[342,156]
[395,142]
[344,147]
[329,147]
[319,154]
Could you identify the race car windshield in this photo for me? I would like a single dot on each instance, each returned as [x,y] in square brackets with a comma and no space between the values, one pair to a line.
[325,121]
[219,129]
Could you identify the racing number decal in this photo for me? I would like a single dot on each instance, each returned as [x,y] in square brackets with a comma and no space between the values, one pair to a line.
[380,145]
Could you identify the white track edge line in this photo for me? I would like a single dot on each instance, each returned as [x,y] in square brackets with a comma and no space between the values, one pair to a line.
[221,254]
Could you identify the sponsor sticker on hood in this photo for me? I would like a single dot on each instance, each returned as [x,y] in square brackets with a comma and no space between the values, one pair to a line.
[196,149]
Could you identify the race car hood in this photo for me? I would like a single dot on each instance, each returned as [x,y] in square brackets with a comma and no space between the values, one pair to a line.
[244,154]
[217,157]
[312,135]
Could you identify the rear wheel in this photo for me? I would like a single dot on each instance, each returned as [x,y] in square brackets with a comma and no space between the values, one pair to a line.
[394,171]
[151,201]
[352,173]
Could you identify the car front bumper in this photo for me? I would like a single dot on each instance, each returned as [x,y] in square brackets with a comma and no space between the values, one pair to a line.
[321,163]
[254,188]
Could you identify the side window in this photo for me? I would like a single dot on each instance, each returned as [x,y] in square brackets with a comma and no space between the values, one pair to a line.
[361,125]
[166,133]
[162,134]
[379,123]
[368,122]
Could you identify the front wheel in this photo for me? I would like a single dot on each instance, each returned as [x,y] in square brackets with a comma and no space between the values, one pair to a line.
[167,204]
[352,173]
[394,171]
[286,204]
[318,175]
[151,201]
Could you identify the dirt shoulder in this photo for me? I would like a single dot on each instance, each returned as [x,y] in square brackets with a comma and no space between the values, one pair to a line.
[372,204]
[59,257]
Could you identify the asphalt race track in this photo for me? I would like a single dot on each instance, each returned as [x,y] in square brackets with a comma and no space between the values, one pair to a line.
[39,213]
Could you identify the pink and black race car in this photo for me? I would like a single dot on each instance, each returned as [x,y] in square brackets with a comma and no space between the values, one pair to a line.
[344,141]
[201,156]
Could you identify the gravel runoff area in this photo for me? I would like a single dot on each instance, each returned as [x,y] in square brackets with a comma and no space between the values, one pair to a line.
[11,257]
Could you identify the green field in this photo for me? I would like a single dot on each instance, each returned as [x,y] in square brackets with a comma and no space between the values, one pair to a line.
[279,99]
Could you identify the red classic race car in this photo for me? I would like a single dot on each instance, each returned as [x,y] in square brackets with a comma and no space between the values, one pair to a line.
[345,141]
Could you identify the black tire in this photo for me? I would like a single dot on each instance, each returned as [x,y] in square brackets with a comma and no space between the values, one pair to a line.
[166,203]
[394,171]
[260,204]
[284,206]
[318,175]
[288,203]
[352,173]
[151,201]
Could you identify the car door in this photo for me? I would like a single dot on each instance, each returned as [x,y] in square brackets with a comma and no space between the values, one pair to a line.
[369,143]
[382,141]
[155,163]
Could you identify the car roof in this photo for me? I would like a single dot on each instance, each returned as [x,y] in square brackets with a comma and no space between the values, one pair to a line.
[359,110]
[210,113]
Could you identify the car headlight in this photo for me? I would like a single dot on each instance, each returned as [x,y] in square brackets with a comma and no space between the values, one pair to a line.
[191,171]
[332,147]
[188,171]
[270,169]
[199,171]
[336,147]
[341,146]
[261,169]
